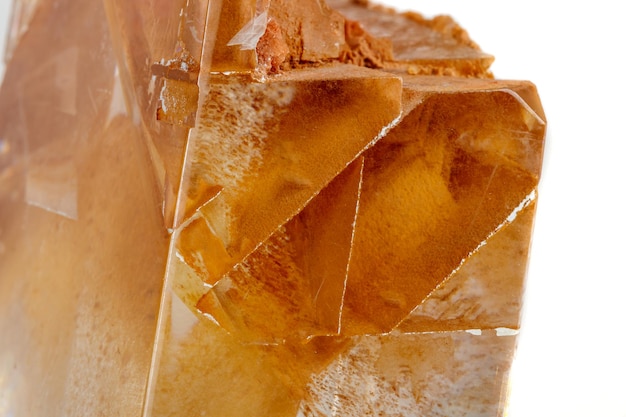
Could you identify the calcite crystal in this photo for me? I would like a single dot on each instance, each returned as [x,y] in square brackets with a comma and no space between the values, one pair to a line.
[250,207]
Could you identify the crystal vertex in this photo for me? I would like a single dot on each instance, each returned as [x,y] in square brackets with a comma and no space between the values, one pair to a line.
[280,208]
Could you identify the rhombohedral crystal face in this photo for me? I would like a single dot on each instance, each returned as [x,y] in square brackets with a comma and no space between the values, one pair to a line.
[258,208]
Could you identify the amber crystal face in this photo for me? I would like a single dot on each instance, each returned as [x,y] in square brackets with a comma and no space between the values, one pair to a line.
[270,208]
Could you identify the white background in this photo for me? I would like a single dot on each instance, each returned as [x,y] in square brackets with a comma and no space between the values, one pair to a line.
[571,359]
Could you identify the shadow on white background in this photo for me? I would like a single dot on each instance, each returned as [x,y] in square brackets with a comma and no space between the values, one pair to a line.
[571,359]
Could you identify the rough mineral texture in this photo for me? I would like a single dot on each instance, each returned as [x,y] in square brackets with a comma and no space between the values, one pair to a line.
[271,208]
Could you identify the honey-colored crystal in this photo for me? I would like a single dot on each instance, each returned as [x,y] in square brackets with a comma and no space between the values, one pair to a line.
[272,166]
[272,208]
[293,285]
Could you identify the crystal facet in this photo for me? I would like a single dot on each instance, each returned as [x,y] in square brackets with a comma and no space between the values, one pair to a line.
[278,208]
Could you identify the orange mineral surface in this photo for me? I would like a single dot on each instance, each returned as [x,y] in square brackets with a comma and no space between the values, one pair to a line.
[274,208]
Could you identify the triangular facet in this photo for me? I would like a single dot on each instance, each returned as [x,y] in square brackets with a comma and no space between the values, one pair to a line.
[273,146]
[434,188]
[292,286]
[486,291]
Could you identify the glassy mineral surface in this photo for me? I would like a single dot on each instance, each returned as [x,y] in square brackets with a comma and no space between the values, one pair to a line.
[254,207]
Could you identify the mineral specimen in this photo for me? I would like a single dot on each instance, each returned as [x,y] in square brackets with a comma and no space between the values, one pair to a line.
[250,207]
